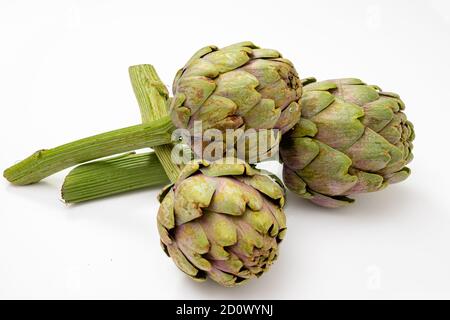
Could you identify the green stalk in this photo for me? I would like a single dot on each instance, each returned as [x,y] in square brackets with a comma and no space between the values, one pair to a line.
[152,96]
[111,176]
[43,163]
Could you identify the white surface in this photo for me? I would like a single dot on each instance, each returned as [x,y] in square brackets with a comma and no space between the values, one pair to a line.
[64,76]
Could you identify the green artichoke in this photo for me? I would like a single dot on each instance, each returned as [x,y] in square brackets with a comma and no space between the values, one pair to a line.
[352,138]
[222,220]
[237,87]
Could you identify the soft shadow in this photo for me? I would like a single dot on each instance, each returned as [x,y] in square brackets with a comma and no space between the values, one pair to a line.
[44,192]
[268,286]
[133,212]
[380,204]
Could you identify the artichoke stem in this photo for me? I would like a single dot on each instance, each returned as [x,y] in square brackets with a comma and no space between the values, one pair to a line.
[152,96]
[115,175]
[44,163]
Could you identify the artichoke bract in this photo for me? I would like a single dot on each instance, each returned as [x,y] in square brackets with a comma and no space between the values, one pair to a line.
[223,220]
[352,138]
[237,87]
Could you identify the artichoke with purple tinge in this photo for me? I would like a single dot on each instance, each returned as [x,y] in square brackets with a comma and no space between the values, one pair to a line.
[351,138]
[237,87]
[223,220]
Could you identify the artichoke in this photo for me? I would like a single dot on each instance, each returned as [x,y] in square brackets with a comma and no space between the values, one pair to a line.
[237,87]
[352,138]
[222,220]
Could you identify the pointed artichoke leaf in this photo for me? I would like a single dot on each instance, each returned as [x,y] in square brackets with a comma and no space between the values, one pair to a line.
[248,239]
[398,153]
[313,102]
[232,197]
[265,53]
[200,277]
[176,79]
[395,97]
[162,193]
[311,85]
[164,234]
[295,183]
[231,122]
[328,172]
[392,132]
[263,115]
[281,235]
[219,228]
[214,110]
[280,93]
[193,242]
[398,176]
[203,68]
[240,87]
[297,153]
[273,256]
[289,117]
[269,245]
[308,80]
[408,127]
[378,114]
[358,94]
[304,128]
[339,125]
[223,278]
[217,252]
[196,90]
[201,53]
[219,168]
[264,71]
[229,59]
[372,152]
[390,94]
[256,270]
[261,221]
[279,216]
[166,212]
[395,104]
[272,176]
[246,274]
[367,182]
[265,185]
[179,114]
[330,202]
[191,195]
[189,169]
[181,262]
[232,265]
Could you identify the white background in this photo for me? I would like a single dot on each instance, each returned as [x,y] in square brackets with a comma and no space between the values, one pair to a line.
[63,76]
